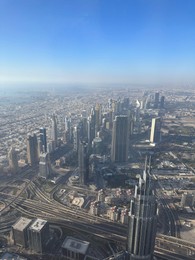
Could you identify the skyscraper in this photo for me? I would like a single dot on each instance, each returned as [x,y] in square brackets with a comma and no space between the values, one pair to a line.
[67,134]
[91,127]
[83,162]
[13,160]
[156,99]
[142,221]
[162,102]
[32,150]
[120,132]
[38,234]
[54,131]
[76,138]
[44,165]
[155,134]
[43,139]
[97,118]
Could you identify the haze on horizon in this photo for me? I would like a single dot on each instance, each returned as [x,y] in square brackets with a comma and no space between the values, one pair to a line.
[97,42]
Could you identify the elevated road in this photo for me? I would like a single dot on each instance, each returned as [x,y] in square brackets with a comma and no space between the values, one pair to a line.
[56,213]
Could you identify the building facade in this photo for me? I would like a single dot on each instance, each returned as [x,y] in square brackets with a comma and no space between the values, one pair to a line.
[19,232]
[13,160]
[83,162]
[155,133]
[120,140]
[44,165]
[54,131]
[38,234]
[142,221]
[43,139]
[32,150]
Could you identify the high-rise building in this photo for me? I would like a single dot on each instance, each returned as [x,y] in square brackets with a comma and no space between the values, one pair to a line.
[43,139]
[67,134]
[156,99]
[97,118]
[84,129]
[162,102]
[142,221]
[38,234]
[54,131]
[13,160]
[91,127]
[44,165]
[76,138]
[120,138]
[155,134]
[32,150]
[19,231]
[83,162]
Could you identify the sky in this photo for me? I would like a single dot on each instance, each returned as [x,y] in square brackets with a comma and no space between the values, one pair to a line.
[97,42]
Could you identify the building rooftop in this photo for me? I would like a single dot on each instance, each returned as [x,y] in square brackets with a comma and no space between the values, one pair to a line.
[38,224]
[22,223]
[75,245]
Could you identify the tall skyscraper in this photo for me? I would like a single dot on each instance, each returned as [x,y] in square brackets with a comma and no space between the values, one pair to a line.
[91,127]
[54,131]
[32,150]
[156,99]
[142,221]
[13,160]
[97,118]
[155,134]
[43,139]
[76,138]
[162,102]
[67,134]
[120,144]
[83,162]
[84,128]
[44,165]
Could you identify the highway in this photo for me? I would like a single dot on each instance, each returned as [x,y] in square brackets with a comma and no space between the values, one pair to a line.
[169,211]
[45,207]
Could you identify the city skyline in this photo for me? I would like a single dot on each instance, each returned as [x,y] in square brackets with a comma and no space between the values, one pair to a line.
[97,42]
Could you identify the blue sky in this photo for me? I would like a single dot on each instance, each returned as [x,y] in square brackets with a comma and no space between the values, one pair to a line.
[97,41]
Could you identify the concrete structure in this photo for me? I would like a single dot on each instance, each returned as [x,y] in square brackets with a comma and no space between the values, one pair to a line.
[83,162]
[156,99]
[91,126]
[13,160]
[101,195]
[142,222]
[74,248]
[97,145]
[19,231]
[38,234]
[32,150]
[43,139]
[54,131]
[162,102]
[44,165]
[120,144]
[97,118]
[155,134]
[76,137]
[187,200]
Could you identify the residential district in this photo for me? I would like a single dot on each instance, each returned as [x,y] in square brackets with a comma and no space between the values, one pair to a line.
[97,173]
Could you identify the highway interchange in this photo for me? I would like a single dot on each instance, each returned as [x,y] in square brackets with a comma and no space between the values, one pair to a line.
[32,201]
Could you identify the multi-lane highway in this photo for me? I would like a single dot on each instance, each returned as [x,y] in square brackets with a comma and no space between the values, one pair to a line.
[46,207]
